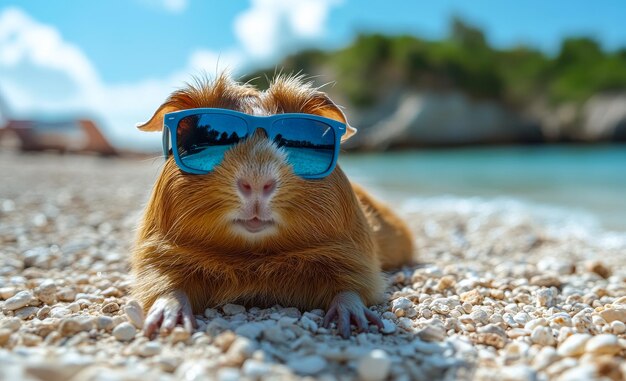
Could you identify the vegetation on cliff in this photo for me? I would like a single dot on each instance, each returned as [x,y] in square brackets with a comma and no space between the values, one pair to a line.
[375,64]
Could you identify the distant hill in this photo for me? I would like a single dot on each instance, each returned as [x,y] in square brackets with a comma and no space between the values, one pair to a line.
[407,91]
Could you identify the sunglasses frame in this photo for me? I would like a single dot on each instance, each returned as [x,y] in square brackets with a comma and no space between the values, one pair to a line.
[171,120]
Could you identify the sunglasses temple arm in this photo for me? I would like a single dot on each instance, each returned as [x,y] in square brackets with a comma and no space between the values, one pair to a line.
[166,142]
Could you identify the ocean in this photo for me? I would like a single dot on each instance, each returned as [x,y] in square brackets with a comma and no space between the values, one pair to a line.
[569,184]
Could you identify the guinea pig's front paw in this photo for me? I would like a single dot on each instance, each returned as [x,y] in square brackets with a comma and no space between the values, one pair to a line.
[167,311]
[347,306]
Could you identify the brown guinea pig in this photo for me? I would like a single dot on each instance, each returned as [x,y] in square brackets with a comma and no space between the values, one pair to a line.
[204,241]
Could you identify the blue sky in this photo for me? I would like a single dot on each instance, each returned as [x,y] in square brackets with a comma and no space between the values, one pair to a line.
[116,60]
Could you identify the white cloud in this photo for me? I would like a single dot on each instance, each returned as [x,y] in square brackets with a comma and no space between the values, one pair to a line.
[272,27]
[40,72]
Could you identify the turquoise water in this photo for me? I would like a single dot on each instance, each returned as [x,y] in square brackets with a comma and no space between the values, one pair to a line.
[583,180]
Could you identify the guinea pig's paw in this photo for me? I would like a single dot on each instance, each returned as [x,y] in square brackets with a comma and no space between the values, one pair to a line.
[167,311]
[348,307]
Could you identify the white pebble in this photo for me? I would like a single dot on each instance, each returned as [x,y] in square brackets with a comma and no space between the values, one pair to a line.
[545,297]
[603,344]
[59,312]
[7,292]
[151,348]
[573,345]
[12,324]
[388,327]
[124,331]
[542,336]
[431,333]
[134,312]
[374,366]
[255,369]
[308,324]
[545,357]
[250,330]
[402,306]
[228,374]
[19,300]
[479,316]
[233,309]
[308,365]
[618,327]
[613,314]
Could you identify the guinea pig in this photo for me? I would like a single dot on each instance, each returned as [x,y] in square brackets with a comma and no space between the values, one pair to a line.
[321,243]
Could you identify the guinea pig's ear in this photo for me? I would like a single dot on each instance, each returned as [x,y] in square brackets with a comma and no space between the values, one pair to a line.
[156,122]
[329,109]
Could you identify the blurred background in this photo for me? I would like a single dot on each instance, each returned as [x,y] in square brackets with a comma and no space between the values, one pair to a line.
[471,104]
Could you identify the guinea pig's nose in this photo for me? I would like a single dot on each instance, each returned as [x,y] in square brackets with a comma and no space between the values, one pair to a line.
[257,187]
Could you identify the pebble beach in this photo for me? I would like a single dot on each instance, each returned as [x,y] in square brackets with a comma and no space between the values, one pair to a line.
[497,295]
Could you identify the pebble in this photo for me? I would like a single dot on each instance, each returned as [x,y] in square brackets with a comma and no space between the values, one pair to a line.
[233,309]
[618,327]
[599,268]
[308,324]
[12,324]
[472,297]
[26,313]
[545,280]
[110,308]
[134,313]
[179,334]
[517,373]
[374,366]
[604,344]
[614,314]
[47,292]
[388,327]
[431,333]
[545,297]
[402,307]
[255,369]
[151,348]
[66,294]
[240,349]
[479,316]
[545,357]
[491,335]
[5,336]
[542,336]
[573,345]
[124,332]
[228,374]
[104,323]
[308,365]
[19,300]
[70,327]
[7,292]
[252,330]
[59,312]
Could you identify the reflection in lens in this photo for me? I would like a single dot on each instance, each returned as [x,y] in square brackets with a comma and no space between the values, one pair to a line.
[203,139]
[309,144]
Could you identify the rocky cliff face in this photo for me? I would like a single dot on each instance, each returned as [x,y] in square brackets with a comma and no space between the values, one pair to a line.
[409,118]
[441,119]
[604,118]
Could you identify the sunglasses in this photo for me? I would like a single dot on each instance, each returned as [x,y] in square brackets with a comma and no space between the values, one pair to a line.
[200,137]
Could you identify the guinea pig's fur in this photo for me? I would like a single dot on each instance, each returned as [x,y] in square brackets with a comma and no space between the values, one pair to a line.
[328,236]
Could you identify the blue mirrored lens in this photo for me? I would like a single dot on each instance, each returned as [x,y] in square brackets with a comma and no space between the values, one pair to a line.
[202,139]
[309,144]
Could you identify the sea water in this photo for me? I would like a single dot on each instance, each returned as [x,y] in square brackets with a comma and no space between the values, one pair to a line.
[579,185]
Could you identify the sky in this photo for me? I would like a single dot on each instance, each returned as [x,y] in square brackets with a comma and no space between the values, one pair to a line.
[117,60]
